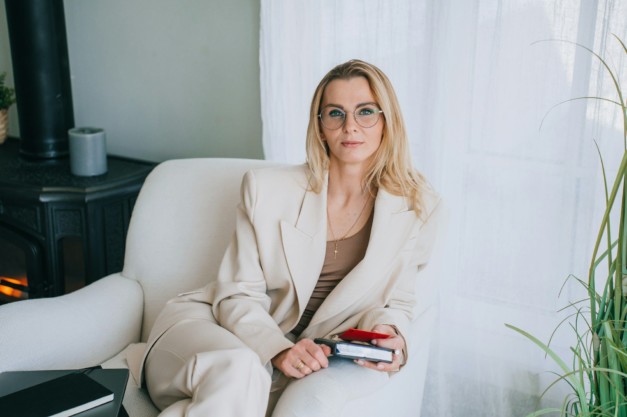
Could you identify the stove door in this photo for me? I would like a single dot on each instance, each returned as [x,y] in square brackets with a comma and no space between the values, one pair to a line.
[21,269]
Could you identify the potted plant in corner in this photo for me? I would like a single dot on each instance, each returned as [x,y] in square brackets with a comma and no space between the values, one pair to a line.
[7,98]
[597,373]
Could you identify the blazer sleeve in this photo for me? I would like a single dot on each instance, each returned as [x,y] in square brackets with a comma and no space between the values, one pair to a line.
[404,302]
[240,302]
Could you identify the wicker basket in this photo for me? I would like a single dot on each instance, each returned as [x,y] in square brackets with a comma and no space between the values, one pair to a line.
[4,125]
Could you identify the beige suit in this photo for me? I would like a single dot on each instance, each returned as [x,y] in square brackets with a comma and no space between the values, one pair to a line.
[264,283]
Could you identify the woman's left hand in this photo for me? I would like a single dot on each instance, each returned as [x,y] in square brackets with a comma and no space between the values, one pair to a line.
[395,342]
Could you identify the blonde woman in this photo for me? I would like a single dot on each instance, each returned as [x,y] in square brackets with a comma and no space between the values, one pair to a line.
[333,244]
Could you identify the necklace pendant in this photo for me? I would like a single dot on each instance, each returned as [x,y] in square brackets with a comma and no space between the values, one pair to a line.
[335,251]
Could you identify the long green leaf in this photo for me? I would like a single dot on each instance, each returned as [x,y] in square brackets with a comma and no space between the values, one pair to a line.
[579,389]
[544,411]
[607,195]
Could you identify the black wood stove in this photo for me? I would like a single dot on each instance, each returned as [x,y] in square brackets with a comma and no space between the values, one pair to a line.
[58,231]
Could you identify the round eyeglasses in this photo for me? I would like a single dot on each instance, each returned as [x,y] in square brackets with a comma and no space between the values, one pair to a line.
[366,115]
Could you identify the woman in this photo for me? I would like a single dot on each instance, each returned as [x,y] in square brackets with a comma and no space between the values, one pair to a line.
[318,248]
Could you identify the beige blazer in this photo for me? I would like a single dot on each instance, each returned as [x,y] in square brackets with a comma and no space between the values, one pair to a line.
[272,265]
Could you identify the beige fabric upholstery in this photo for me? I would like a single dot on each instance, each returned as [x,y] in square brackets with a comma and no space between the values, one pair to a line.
[181,225]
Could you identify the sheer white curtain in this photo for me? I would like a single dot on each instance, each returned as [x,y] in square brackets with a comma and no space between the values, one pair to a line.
[524,202]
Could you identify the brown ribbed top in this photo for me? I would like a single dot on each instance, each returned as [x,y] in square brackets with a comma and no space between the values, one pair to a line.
[350,252]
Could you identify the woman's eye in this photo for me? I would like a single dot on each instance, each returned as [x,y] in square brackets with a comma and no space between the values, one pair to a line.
[336,113]
[366,111]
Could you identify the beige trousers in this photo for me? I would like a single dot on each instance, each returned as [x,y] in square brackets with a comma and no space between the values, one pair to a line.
[199,369]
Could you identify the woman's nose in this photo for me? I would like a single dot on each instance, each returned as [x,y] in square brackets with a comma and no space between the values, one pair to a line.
[350,124]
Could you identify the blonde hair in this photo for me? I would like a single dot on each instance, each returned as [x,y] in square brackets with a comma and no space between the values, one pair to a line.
[391,168]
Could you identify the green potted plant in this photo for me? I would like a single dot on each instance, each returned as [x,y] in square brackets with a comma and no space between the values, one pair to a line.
[7,98]
[597,373]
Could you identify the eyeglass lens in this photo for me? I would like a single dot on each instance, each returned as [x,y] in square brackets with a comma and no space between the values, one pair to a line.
[365,116]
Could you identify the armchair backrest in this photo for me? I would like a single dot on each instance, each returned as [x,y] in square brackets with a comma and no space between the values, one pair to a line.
[182,222]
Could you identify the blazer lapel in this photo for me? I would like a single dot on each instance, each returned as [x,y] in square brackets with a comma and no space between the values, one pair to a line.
[391,226]
[304,245]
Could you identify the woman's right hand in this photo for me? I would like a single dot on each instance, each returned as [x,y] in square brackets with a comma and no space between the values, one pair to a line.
[302,359]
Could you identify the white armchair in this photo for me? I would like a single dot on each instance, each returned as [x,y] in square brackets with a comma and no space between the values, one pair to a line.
[180,227]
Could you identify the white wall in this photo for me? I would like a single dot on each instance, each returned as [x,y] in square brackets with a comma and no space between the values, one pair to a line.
[165,78]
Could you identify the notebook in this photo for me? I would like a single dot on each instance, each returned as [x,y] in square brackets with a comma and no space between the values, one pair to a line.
[357,350]
[91,393]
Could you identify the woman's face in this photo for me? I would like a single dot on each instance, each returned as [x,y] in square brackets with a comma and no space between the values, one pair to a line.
[352,143]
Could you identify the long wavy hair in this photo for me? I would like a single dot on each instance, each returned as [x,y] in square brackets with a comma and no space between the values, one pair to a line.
[391,167]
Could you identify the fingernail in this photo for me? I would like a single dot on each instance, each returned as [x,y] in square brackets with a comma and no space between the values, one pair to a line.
[359,362]
[380,365]
[397,352]
[374,342]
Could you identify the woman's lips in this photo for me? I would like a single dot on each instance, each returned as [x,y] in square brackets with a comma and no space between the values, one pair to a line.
[351,143]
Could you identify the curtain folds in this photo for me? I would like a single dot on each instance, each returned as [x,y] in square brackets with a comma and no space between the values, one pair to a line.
[476,79]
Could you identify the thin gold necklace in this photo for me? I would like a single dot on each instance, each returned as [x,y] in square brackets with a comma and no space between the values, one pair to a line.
[336,241]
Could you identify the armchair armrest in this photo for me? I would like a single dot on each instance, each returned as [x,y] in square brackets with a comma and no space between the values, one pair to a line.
[76,330]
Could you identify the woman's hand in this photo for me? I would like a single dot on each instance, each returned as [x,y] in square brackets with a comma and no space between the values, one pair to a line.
[302,359]
[395,342]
